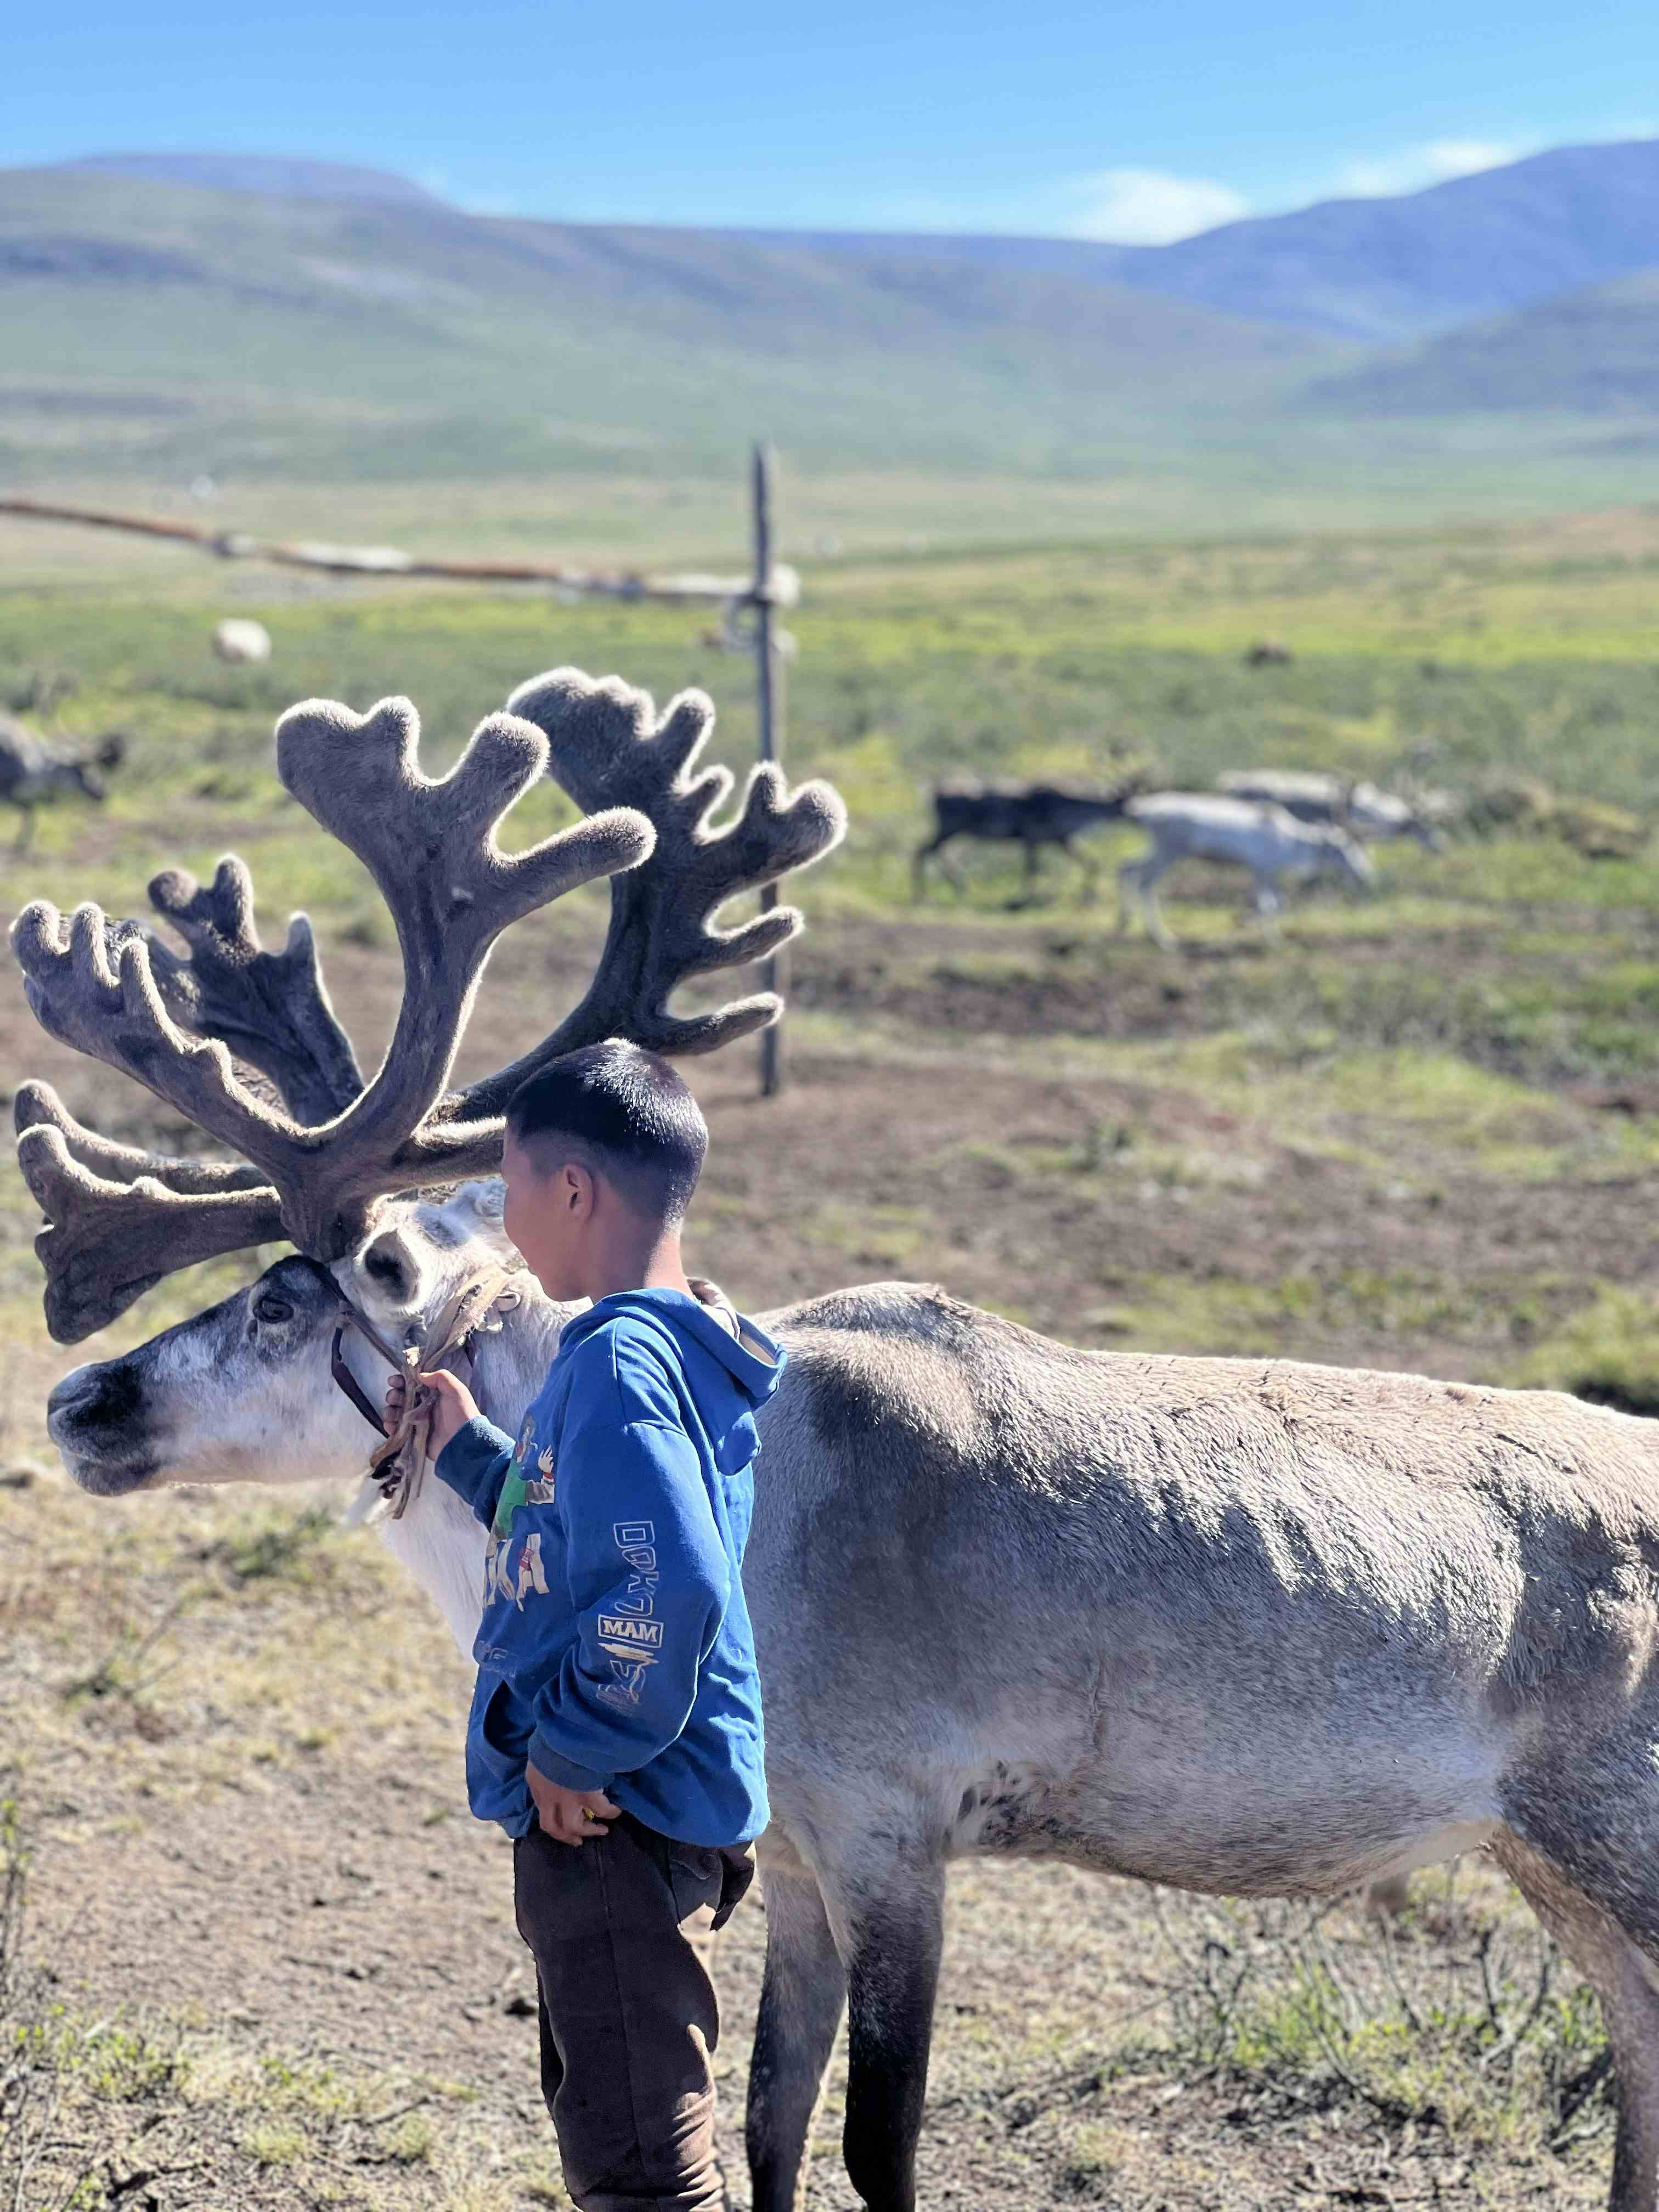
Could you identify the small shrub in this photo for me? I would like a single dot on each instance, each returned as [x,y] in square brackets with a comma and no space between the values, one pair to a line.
[1471,2027]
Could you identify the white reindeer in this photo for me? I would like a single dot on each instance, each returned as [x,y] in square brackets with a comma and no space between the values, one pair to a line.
[1361,808]
[1241,1626]
[1265,839]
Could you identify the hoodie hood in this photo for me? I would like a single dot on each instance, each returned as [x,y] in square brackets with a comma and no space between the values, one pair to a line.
[752,1359]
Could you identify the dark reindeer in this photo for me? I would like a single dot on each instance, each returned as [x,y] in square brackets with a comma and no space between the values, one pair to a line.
[31,770]
[1029,814]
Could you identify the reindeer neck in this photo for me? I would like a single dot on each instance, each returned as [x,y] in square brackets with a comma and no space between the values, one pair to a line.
[438,1540]
[510,1363]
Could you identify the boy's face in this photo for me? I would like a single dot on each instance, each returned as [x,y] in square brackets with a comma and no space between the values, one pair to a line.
[552,1201]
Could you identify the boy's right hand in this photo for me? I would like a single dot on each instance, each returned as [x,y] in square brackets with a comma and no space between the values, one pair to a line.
[569,1816]
[452,1404]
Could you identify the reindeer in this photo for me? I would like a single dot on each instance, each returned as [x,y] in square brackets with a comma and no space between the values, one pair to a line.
[1271,843]
[1030,814]
[30,771]
[1240,1625]
[1359,808]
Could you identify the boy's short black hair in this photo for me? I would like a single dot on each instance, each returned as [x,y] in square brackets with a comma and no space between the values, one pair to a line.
[630,1111]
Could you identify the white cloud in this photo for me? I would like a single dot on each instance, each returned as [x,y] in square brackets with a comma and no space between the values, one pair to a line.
[1147,207]
[1433,163]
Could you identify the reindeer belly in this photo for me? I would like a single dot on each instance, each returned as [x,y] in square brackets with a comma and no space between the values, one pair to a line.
[1266,1804]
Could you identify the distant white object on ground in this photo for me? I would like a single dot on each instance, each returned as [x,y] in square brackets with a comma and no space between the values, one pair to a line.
[239,640]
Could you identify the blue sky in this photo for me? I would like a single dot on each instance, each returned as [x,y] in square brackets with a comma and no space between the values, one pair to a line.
[1137,121]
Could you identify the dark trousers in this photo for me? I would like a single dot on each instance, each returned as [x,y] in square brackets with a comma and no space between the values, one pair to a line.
[628,2011]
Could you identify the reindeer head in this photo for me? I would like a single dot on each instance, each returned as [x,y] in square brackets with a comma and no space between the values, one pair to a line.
[243,1391]
[245,1042]
[1345,857]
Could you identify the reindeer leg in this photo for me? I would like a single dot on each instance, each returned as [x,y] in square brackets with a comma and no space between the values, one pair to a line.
[922,853]
[1624,1975]
[27,832]
[1269,905]
[948,868]
[1027,893]
[894,1926]
[1146,876]
[1091,870]
[801,1999]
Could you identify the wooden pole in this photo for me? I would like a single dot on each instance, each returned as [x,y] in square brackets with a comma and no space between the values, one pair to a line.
[380,560]
[769,699]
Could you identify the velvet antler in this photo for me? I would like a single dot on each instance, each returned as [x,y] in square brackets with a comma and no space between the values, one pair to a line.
[195,1030]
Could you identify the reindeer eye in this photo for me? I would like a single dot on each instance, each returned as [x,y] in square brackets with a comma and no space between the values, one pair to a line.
[268,1307]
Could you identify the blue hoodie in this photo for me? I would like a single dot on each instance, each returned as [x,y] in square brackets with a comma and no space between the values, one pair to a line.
[614,1649]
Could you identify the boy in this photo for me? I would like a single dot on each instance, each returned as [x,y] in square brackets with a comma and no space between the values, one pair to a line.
[616,1728]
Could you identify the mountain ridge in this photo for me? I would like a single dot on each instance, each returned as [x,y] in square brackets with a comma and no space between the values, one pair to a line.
[369,334]
[1381,271]
[1375,271]
[278,176]
[1593,352]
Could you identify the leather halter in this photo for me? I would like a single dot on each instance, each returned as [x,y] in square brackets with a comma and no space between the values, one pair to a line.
[344,1379]
[397,1463]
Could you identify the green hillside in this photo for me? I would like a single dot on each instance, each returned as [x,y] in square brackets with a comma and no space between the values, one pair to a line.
[159,329]
[1592,353]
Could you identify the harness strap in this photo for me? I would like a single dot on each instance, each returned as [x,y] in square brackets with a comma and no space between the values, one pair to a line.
[348,1382]
[398,1462]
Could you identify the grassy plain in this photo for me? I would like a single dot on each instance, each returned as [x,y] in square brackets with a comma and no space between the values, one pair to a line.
[1421,1132]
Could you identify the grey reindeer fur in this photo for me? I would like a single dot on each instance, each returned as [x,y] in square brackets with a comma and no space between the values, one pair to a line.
[32,771]
[1242,1625]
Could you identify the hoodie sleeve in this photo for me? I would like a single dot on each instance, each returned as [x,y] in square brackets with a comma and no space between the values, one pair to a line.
[474,1464]
[649,1580]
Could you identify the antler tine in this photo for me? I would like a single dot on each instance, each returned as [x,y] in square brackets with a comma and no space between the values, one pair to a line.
[270,1008]
[607,747]
[37,1105]
[89,983]
[108,1240]
[120,1218]
[430,846]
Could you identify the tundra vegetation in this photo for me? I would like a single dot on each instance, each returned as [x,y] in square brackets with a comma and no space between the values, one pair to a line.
[258,1957]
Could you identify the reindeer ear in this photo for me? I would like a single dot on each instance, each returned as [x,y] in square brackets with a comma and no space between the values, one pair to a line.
[474,1212]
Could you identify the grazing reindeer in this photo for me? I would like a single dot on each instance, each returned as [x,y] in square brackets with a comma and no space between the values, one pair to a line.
[1359,808]
[32,771]
[1304,793]
[1030,814]
[1241,1626]
[1271,843]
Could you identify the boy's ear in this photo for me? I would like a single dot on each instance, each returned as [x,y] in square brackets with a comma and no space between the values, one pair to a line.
[578,1188]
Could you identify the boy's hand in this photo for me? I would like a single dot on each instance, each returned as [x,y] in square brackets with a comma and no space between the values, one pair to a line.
[452,1404]
[569,1816]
